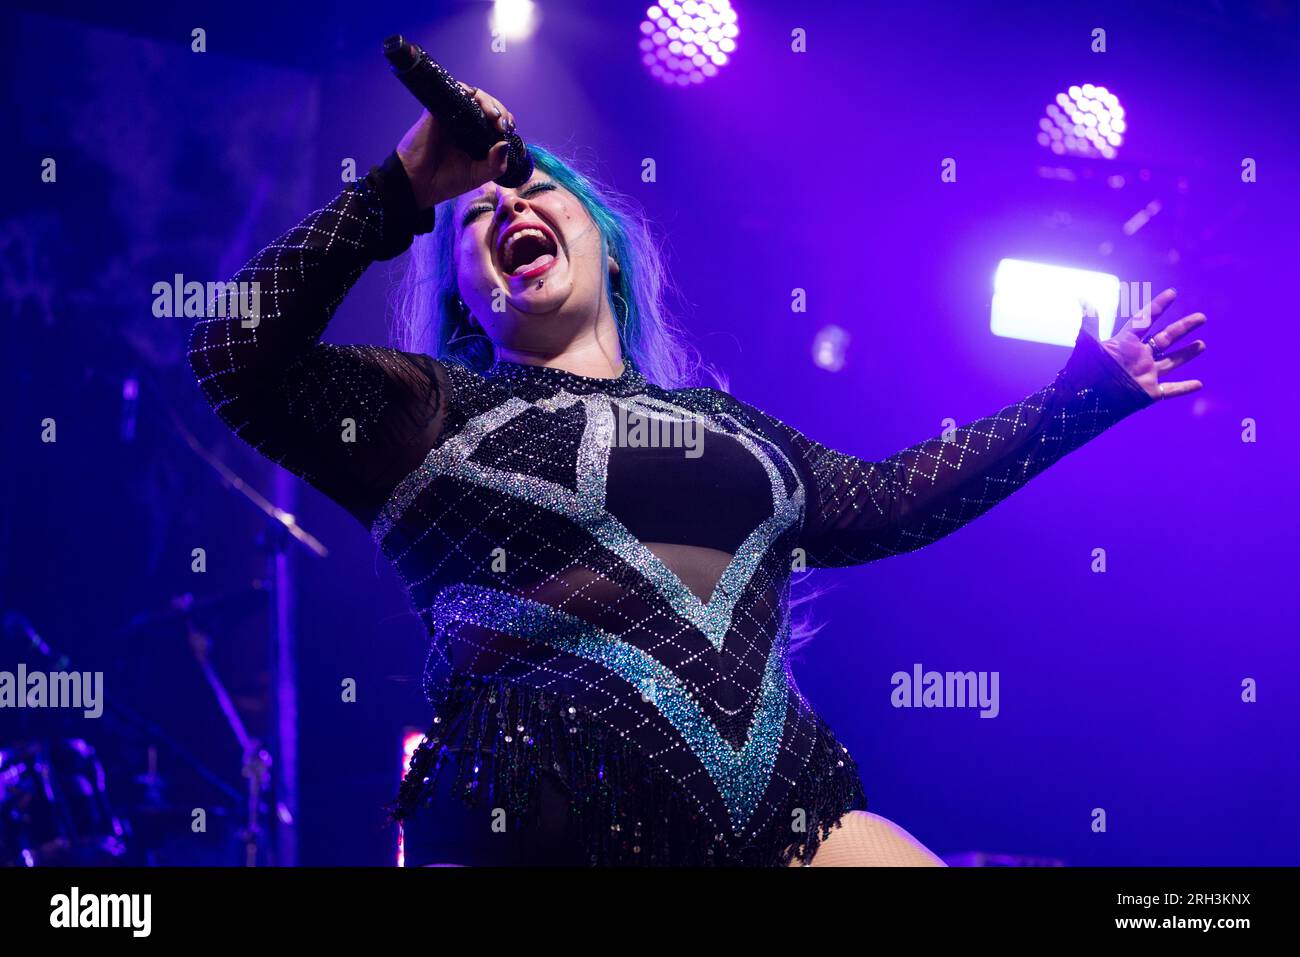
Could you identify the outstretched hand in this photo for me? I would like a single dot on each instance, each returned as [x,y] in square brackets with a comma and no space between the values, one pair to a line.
[1145,357]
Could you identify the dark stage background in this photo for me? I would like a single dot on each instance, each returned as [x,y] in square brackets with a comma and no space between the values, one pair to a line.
[817,170]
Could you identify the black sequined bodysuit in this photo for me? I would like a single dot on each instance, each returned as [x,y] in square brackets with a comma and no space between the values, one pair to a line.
[517,516]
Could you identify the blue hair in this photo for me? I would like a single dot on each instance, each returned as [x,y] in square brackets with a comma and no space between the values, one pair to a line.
[429,322]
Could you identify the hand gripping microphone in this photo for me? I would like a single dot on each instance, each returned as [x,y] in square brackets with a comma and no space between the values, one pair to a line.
[457,112]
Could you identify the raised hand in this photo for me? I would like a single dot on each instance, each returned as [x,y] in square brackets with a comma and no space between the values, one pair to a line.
[438,169]
[1146,357]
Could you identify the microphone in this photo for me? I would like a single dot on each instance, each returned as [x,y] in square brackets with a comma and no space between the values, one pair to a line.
[457,111]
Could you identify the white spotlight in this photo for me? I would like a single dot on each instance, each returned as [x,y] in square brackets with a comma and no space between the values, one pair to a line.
[514,19]
[1040,302]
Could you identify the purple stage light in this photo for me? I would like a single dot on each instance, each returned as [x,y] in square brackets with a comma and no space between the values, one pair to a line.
[830,347]
[411,741]
[685,43]
[1084,121]
[1042,303]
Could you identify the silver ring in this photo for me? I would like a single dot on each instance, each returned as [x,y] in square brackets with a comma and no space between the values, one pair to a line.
[1161,387]
[1155,350]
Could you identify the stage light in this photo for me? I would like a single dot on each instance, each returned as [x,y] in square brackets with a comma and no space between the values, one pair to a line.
[685,43]
[1041,303]
[514,19]
[830,347]
[1084,121]
[411,740]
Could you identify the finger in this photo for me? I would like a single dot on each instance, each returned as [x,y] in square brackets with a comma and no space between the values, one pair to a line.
[483,101]
[1171,333]
[497,109]
[1160,303]
[1141,322]
[492,108]
[1172,390]
[488,168]
[494,164]
[486,101]
[1174,359]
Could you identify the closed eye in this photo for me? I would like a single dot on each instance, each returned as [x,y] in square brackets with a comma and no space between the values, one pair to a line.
[472,213]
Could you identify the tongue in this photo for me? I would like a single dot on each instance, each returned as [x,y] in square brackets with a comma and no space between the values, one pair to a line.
[541,260]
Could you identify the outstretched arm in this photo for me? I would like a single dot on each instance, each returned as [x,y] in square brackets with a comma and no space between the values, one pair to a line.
[858,511]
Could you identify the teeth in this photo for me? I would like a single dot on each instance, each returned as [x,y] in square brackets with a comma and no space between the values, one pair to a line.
[523,232]
[513,237]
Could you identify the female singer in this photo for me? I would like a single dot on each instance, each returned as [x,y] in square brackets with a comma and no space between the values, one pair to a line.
[609,620]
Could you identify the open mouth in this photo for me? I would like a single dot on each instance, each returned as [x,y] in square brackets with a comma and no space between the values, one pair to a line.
[526,248]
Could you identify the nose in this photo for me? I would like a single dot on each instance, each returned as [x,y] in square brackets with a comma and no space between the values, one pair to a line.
[515,208]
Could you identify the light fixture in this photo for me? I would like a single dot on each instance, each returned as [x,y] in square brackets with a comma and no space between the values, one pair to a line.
[686,43]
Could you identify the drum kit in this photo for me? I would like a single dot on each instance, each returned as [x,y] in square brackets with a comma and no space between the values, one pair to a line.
[56,806]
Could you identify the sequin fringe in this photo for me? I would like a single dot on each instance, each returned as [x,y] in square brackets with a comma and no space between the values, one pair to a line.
[627,812]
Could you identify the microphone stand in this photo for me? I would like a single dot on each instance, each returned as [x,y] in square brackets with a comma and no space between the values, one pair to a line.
[256,763]
[280,532]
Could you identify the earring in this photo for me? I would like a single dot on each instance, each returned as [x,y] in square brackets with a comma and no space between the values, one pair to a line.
[619,299]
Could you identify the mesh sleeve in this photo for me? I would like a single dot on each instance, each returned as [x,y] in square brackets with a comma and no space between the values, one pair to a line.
[350,419]
[858,511]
